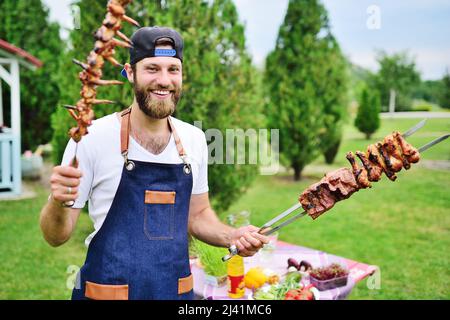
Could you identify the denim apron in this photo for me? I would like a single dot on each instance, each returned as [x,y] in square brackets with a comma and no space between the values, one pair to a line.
[141,250]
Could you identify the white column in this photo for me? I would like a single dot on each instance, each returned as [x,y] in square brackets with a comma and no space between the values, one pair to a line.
[15,125]
[392,101]
[15,98]
[1,105]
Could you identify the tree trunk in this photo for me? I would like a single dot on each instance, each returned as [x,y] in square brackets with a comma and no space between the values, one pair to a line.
[297,171]
[368,135]
[331,152]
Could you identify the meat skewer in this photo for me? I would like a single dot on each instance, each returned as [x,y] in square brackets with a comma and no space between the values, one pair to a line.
[387,157]
[91,74]
[337,185]
[92,70]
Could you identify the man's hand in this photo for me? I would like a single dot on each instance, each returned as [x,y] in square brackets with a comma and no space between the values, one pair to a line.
[248,240]
[58,222]
[206,226]
[64,183]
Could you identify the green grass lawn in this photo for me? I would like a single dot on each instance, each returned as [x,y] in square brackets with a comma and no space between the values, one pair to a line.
[29,267]
[402,226]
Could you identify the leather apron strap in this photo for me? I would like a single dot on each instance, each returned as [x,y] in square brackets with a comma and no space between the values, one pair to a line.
[125,136]
[125,132]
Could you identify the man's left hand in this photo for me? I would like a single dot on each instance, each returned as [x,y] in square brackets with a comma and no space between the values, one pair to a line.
[248,240]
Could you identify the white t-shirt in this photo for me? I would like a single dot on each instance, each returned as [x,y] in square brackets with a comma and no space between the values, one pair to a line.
[101,162]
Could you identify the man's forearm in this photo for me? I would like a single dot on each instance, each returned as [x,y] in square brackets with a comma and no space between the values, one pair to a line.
[207,227]
[56,223]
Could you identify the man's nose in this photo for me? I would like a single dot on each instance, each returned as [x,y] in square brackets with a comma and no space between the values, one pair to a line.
[164,79]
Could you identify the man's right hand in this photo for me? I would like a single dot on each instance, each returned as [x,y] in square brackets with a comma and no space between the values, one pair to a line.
[64,183]
[57,222]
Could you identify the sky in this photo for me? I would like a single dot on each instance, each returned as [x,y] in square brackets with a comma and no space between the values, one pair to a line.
[362,27]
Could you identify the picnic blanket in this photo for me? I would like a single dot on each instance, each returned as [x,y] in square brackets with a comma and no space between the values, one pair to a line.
[277,262]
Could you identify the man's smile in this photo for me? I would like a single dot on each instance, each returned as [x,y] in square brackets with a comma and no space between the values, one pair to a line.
[161,94]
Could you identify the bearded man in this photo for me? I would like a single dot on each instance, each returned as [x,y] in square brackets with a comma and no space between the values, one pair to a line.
[144,175]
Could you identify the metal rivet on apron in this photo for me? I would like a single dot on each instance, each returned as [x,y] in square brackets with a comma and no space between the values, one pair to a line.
[187,169]
[130,165]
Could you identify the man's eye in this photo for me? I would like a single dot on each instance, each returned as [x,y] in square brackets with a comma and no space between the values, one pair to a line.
[174,70]
[151,69]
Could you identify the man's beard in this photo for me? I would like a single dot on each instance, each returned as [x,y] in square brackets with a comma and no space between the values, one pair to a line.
[154,107]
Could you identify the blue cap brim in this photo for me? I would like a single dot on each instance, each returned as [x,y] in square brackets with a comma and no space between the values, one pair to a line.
[124,73]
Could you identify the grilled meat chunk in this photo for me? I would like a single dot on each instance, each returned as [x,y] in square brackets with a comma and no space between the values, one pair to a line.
[408,151]
[387,162]
[334,186]
[392,148]
[373,171]
[342,183]
[360,174]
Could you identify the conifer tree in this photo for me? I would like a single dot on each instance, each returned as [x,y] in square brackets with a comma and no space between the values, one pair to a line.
[445,95]
[303,85]
[368,117]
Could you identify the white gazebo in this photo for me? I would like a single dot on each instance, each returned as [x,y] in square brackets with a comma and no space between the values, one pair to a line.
[11,57]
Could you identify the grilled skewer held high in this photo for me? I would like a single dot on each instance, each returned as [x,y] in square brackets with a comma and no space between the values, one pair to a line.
[91,75]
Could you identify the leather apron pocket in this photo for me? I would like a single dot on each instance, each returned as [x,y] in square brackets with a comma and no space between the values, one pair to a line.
[159,216]
[97,291]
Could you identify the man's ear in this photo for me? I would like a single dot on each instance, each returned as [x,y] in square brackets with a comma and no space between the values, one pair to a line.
[129,71]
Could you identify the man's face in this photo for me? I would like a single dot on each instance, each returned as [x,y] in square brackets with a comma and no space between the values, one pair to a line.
[157,85]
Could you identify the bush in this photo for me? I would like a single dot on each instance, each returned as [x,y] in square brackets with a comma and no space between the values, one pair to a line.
[368,117]
[422,107]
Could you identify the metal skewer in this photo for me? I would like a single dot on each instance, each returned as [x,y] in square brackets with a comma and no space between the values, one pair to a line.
[432,143]
[413,130]
[285,223]
[267,229]
[278,218]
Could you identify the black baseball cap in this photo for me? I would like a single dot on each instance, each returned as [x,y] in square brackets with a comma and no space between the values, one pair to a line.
[144,44]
